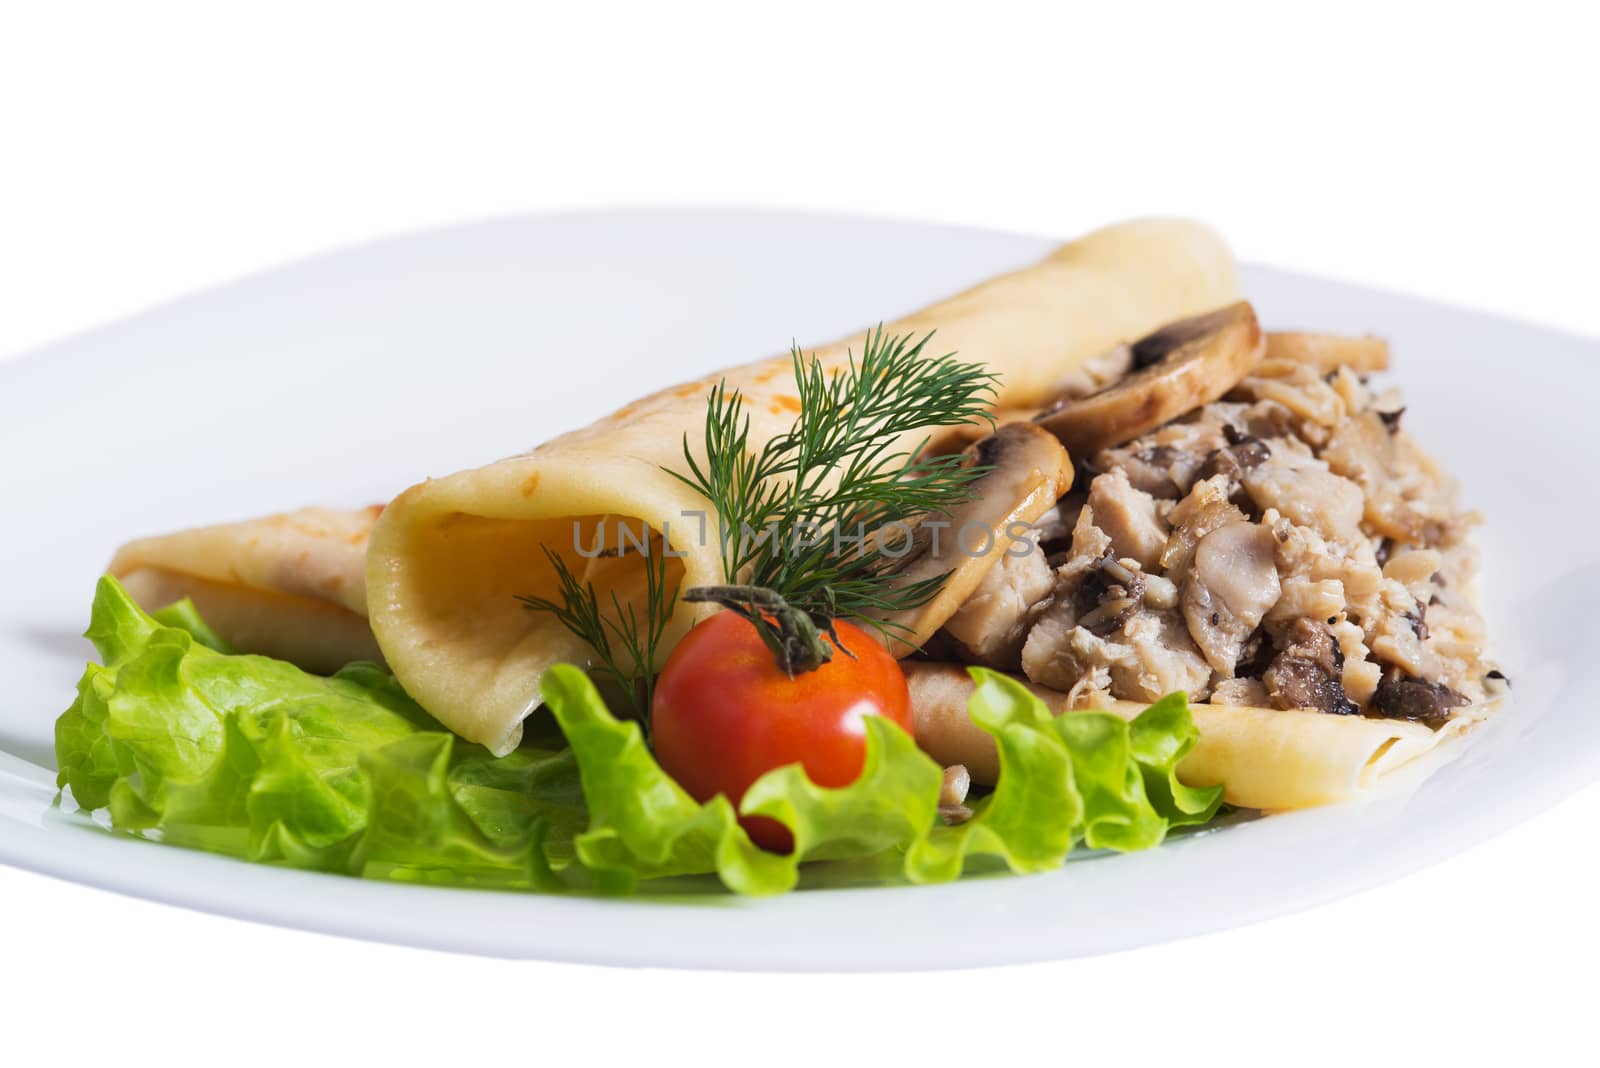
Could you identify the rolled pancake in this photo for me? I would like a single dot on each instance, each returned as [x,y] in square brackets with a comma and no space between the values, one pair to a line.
[290,586]
[449,556]
[1265,758]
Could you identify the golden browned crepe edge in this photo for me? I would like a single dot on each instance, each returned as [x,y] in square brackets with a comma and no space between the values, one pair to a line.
[291,586]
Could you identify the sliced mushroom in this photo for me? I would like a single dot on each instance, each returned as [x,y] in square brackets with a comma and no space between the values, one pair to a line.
[1307,673]
[1208,507]
[1295,682]
[961,438]
[1028,472]
[1229,590]
[953,789]
[1091,376]
[1329,352]
[1401,697]
[1176,369]
[1108,596]
[1241,454]
[953,794]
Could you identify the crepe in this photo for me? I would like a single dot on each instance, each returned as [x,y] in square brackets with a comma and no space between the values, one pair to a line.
[1265,758]
[450,555]
[290,586]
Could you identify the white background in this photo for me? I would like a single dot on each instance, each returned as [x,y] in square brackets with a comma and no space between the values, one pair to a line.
[148,150]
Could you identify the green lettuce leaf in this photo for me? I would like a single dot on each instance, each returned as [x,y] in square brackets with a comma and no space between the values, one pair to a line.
[1035,814]
[254,758]
[181,740]
[1084,776]
[642,825]
[185,616]
[1161,737]
[1080,777]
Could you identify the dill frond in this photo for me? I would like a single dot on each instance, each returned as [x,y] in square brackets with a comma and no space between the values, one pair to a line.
[626,639]
[806,515]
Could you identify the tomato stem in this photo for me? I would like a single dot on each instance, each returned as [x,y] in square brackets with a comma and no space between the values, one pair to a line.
[794,636]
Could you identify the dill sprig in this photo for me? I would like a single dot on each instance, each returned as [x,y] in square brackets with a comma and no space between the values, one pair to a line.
[625,640]
[811,524]
[818,515]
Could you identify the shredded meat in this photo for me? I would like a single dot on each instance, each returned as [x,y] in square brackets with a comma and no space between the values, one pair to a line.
[1163,660]
[991,626]
[1128,516]
[1407,497]
[1250,693]
[1301,488]
[1106,631]
[1163,463]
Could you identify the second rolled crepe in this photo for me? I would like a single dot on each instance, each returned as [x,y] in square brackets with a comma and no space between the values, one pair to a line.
[290,586]
[1265,758]
[449,556]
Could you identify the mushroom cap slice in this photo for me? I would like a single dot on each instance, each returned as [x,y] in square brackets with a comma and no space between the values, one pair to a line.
[1177,369]
[1028,473]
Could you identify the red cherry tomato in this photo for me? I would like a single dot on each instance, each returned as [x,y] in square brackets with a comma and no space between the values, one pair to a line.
[724,713]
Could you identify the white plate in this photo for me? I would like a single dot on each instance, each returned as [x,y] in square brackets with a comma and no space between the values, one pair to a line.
[345,378]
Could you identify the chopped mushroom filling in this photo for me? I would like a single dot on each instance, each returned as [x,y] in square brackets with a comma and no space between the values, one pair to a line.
[1288,544]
